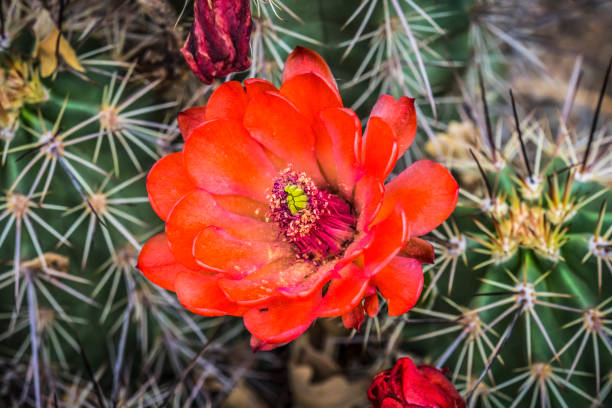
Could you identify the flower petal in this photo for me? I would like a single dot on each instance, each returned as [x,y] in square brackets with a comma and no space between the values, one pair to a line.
[281,320]
[244,206]
[361,242]
[258,345]
[420,389]
[444,393]
[284,277]
[275,123]
[168,182]
[354,317]
[255,86]
[371,305]
[324,151]
[390,402]
[379,149]
[400,282]
[369,193]
[201,294]
[311,94]
[427,192]
[389,238]
[222,158]
[198,210]
[401,116]
[228,101]
[215,249]
[303,60]
[157,263]
[338,137]
[296,286]
[345,292]
[190,119]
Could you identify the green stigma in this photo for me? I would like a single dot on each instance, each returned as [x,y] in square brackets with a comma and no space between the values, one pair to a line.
[296,199]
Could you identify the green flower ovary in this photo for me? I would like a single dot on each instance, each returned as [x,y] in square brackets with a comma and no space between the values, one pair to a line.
[296,199]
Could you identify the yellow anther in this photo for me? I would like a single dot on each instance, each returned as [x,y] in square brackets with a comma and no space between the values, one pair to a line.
[296,198]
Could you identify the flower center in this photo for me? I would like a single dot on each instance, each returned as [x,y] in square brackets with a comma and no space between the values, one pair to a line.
[319,224]
[297,200]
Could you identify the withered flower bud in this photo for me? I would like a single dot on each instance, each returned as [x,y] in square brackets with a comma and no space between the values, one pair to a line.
[218,43]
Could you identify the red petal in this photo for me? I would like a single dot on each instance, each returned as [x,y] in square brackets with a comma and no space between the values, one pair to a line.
[324,150]
[222,158]
[445,390]
[201,294]
[303,60]
[190,119]
[418,389]
[401,116]
[353,318]
[243,206]
[157,263]
[215,249]
[227,102]
[369,193]
[344,293]
[390,402]
[296,286]
[198,210]
[428,193]
[311,94]
[389,237]
[285,277]
[400,282]
[419,249]
[258,345]
[379,149]
[281,320]
[338,134]
[355,249]
[167,183]
[255,86]
[274,122]
[371,305]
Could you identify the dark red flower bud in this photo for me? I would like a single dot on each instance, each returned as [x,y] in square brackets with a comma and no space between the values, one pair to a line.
[218,43]
[406,385]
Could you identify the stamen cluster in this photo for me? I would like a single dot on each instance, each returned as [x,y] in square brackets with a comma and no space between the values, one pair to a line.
[321,228]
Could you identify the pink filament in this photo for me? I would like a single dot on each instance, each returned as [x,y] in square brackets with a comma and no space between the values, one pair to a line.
[320,231]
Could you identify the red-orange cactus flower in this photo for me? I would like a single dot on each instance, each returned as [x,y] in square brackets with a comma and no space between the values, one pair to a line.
[406,385]
[276,209]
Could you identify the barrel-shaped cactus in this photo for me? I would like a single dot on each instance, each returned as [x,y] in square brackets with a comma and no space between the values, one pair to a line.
[518,305]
